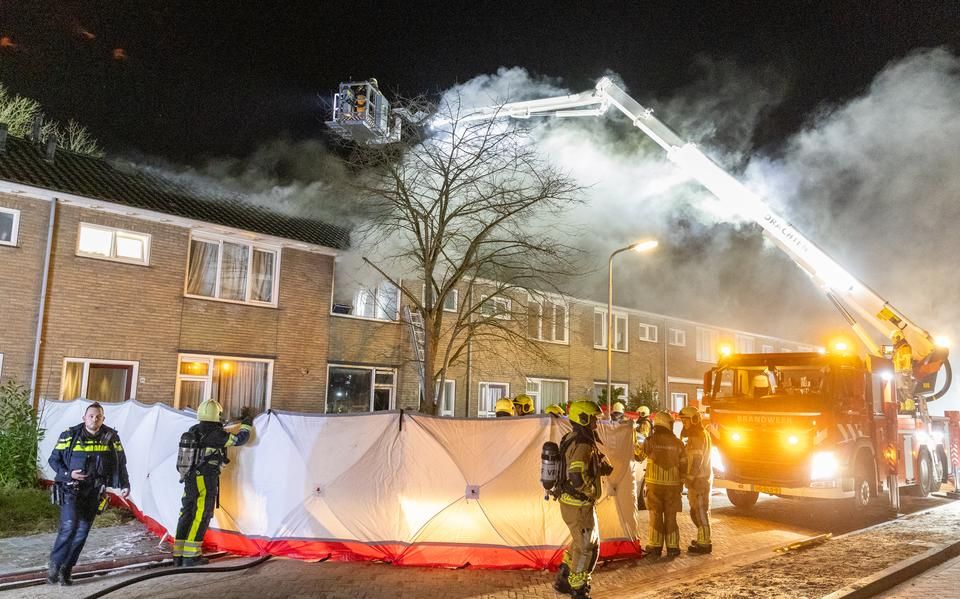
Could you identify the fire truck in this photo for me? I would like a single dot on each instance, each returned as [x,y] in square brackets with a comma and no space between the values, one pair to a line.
[829,425]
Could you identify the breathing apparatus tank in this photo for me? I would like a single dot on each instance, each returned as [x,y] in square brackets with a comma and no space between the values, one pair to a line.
[550,468]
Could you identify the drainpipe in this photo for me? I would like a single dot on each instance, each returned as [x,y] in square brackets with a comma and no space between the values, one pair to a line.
[666,370]
[41,311]
[469,377]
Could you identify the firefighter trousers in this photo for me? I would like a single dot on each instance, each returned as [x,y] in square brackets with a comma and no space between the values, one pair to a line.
[700,513]
[200,490]
[584,551]
[663,504]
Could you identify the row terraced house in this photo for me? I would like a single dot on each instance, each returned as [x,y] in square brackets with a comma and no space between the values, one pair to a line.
[121,284]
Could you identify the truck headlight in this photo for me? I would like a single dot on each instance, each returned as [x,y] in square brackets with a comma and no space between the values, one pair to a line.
[716,461]
[824,466]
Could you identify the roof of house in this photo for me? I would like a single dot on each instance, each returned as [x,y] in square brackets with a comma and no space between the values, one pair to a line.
[22,161]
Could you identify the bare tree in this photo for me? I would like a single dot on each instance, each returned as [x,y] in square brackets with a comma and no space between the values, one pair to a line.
[470,208]
[19,114]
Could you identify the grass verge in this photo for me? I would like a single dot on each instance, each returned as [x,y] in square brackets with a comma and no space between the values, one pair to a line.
[29,511]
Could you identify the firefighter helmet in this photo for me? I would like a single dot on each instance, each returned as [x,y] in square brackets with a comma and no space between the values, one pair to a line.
[209,411]
[663,419]
[524,404]
[583,411]
[690,413]
[644,411]
[504,407]
[617,407]
[555,409]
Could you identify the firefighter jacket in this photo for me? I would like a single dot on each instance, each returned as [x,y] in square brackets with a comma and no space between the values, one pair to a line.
[100,456]
[582,460]
[214,441]
[666,458]
[698,459]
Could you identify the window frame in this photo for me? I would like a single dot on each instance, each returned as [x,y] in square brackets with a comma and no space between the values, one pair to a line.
[480,395]
[454,293]
[745,344]
[643,330]
[615,385]
[277,252]
[497,299]
[453,395]
[85,377]
[145,238]
[618,317]
[532,301]
[673,400]
[208,378]
[538,394]
[679,339]
[712,343]
[374,385]
[383,284]
[15,229]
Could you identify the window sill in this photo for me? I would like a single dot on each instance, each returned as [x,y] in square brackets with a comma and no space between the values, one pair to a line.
[366,318]
[613,349]
[548,341]
[117,260]
[229,301]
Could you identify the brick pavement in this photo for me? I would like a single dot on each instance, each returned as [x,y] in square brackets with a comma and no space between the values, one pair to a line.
[940,583]
[132,538]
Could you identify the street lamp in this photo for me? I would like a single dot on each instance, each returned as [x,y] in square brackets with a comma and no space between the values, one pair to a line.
[639,247]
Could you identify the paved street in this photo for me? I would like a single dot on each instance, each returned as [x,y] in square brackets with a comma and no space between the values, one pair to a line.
[940,582]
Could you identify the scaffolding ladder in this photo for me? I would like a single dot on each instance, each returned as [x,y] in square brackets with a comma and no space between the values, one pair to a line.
[415,322]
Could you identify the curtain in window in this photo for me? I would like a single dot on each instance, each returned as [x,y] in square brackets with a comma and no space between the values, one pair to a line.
[202,277]
[72,379]
[263,267]
[233,272]
[238,384]
[552,392]
[191,394]
[107,383]
[388,300]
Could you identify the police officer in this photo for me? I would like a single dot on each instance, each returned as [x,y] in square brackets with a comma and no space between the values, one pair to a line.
[616,412]
[698,476]
[581,489]
[504,408]
[666,467]
[202,485]
[523,404]
[88,458]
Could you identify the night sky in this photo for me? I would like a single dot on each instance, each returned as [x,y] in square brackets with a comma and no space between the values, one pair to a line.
[193,80]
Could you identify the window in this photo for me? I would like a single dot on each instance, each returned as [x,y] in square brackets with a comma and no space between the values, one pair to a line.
[600,391]
[648,332]
[107,243]
[381,302]
[546,392]
[1,364]
[678,337]
[707,340]
[678,401]
[489,394]
[236,383]
[233,271]
[9,226]
[106,381]
[449,397]
[360,389]
[767,349]
[700,396]
[450,302]
[497,307]
[745,344]
[600,330]
[547,320]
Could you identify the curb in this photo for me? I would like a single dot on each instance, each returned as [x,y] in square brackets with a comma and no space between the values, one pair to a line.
[897,573]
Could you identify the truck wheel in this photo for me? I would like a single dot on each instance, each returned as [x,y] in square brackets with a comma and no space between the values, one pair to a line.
[862,486]
[742,499]
[924,475]
[943,470]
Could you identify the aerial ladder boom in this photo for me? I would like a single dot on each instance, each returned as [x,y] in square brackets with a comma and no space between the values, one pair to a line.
[849,295]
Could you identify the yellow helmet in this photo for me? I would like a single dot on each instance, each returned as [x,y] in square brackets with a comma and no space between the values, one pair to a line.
[524,404]
[504,407]
[690,413]
[663,419]
[581,412]
[617,407]
[644,411]
[554,409]
[209,411]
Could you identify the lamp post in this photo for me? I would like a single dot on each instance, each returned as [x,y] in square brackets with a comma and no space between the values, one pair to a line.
[640,247]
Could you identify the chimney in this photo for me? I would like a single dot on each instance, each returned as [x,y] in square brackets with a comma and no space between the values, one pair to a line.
[3,137]
[51,150]
[35,130]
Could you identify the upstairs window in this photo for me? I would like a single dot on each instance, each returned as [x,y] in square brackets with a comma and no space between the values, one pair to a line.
[707,341]
[450,302]
[108,243]
[497,307]
[745,344]
[381,302]
[547,320]
[678,337]
[600,330]
[648,332]
[233,271]
[9,226]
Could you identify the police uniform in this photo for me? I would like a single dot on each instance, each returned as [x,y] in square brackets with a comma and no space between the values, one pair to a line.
[100,456]
[666,465]
[201,488]
[698,483]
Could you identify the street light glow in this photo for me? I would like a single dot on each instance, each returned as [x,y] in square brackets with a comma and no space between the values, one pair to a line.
[644,246]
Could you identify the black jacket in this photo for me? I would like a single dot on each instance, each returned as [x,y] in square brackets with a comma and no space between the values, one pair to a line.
[100,456]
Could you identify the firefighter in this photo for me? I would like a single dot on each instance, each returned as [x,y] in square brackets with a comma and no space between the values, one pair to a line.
[504,407]
[644,427]
[581,488]
[698,476]
[201,486]
[616,412]
[666,466]
[555,410]
[87,459]
[523,404]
